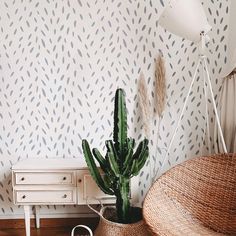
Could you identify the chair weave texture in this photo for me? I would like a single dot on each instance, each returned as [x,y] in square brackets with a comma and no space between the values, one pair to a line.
[197,197]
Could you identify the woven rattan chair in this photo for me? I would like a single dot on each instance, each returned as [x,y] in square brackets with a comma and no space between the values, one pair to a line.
[197,197]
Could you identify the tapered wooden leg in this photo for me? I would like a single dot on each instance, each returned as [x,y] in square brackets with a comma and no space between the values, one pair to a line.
[37,216]
[27,220]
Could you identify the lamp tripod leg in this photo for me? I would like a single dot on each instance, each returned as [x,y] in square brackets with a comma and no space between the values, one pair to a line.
[181,114]
[206,112]
[214,106]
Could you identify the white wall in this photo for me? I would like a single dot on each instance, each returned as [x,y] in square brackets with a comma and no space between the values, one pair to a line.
[60,64]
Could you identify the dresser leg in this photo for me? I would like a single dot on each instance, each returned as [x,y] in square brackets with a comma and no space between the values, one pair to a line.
[27,220]
[37,216]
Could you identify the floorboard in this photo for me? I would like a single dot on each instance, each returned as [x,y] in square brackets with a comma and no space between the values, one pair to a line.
[49,227]
[42,232]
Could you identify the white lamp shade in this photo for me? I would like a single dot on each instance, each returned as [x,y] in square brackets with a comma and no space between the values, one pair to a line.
[185,18]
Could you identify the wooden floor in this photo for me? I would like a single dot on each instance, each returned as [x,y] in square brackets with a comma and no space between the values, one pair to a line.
[38,232]
[49,227]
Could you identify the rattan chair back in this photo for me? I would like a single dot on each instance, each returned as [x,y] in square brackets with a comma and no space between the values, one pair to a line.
[197,197]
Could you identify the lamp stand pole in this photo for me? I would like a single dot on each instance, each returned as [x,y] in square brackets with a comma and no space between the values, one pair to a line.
[207,128]
[201,60]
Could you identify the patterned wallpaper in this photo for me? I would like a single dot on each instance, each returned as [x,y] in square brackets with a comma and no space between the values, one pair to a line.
[60,64]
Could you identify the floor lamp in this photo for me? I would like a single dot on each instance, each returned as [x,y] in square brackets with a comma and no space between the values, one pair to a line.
[187,19]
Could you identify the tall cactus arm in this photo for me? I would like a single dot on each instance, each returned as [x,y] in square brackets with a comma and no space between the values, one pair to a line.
[109,178]
[112,158]
[93,168]
[140,163]
[110,172]
[134,169]
[136,164]
[128,159]
[132,164]
[142,159]
[129,151]
[143,145]
[114,165]
[120,121]
[111,149]
[140,156]
[101,160]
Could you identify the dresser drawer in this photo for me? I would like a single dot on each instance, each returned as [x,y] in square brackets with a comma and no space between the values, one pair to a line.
[65,196]
[89,191]
[45,178]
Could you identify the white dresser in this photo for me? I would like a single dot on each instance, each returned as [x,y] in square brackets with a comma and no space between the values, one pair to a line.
[53,182]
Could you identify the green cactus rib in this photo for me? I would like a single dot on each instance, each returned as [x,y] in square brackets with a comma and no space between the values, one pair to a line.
[134,167]
[143,145]
[130,143]
[109,177]
[122,203]
[128,159]
[111,149]
[93,168]
[129,166]
[101,160]
[142,159]
[140,163]
[112,158]
[136,163]
[129,152]
[120,121]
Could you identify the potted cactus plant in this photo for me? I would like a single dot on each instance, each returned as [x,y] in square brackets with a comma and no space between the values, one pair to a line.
[119,165]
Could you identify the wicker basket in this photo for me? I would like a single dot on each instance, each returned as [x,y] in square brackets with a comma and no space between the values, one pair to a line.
[83,227]
[110,228]
[197,197]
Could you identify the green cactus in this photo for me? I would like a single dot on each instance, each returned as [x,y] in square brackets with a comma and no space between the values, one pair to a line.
[120,163]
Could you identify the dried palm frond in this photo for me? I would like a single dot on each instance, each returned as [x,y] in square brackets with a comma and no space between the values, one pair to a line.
[144,103]
[160,85]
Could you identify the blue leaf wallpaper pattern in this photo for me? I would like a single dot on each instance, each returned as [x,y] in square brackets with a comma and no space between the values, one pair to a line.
[60,63]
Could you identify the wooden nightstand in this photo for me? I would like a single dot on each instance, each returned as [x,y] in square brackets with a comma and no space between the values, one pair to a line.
[53,182]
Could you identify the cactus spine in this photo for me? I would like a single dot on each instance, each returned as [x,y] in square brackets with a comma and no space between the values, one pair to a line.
[120,163]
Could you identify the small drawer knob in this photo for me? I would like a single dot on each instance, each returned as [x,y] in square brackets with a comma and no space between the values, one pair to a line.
[65,196]
[22,179]
[23,196]
[79,180]
[64,178]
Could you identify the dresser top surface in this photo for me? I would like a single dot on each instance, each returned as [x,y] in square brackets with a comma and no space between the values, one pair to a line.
[50,163]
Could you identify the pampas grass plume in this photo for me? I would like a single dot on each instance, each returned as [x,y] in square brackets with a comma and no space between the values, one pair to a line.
[144,103]
[160,85]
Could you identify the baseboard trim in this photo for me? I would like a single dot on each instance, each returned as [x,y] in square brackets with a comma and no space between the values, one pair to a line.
[43,215]
[50,222]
